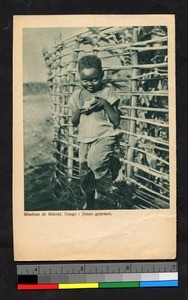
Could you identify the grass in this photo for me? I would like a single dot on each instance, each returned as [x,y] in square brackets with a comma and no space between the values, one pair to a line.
[38,152]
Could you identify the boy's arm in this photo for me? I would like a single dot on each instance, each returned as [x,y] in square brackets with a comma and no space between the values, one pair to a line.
[75,109]
[111,110]
[76,116]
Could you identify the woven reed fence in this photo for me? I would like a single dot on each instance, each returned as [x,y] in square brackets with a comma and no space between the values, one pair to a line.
[135,63]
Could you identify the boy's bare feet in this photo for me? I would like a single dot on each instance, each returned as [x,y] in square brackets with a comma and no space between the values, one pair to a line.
[90,201]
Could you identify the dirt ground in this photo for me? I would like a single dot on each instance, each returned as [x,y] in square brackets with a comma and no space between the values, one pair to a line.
[38,153]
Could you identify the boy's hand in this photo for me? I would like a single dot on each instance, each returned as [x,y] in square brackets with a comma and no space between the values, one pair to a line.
[83,110]
[98,104]
[88,108]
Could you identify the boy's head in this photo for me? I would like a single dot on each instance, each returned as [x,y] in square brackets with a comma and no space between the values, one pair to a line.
[90,71]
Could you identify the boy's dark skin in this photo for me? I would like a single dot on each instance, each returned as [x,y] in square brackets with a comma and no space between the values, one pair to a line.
[91,80]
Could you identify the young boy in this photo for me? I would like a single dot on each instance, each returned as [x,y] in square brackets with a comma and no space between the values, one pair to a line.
[95,111]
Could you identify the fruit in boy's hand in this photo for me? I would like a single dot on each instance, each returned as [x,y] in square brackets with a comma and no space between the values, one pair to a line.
[88,104]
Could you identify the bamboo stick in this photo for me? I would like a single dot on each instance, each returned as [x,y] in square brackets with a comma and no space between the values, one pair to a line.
[71,131]
[62,115]
[74,135]
[65,166]
[146,137]
[56,110]
[65,125]
[152,182]
[67,143]
[149,121]
[155,40]
[110,29]
[146,169]
[147,189]
[140,191]
[59,171]
[62,129]
[146,93]
[57,103]
[69,53]
[161,70]
[143,207]
[144,66]
[73,169]
[73,158]
[150,154]
[159,202]
[134,98]
[67,41]
[114,68]
[68,84]
[139,93]
[65,174]
[154,109]
[154,147]
[137,207]
[158,77]
[117,54]
[145,201]
[60,46]
[130,79]
[123,45]
[153,48]
[143,93]
[139,49]
[156,73]
[145,78]
[147,195]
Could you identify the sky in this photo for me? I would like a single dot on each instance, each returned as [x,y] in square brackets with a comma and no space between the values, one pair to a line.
[34,40]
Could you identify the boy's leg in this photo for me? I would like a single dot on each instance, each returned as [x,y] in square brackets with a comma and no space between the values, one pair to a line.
[87,178]
[99,157]
[115,166]
[90,201]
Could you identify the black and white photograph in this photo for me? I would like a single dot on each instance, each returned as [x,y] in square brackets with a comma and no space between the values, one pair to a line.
[96,118]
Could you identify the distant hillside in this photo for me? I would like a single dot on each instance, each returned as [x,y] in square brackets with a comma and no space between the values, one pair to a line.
[35,88]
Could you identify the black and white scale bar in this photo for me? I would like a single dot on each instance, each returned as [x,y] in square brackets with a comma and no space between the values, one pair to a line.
[96,268]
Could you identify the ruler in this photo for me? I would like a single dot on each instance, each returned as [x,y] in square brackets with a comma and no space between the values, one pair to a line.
[96,275]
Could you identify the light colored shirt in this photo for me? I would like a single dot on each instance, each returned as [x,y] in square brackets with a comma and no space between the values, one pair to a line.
[96,124]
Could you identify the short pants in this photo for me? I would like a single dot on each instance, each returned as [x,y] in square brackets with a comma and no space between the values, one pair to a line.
[94,160]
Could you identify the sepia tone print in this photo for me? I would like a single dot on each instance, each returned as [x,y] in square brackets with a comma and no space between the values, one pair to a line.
[135,66]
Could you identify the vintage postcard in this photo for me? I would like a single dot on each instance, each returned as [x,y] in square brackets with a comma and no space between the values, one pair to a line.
[94,133]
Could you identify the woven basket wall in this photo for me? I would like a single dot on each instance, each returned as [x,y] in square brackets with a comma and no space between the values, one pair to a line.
[135,64]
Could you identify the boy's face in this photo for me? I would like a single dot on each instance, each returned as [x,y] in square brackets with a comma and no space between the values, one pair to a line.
[91,79]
